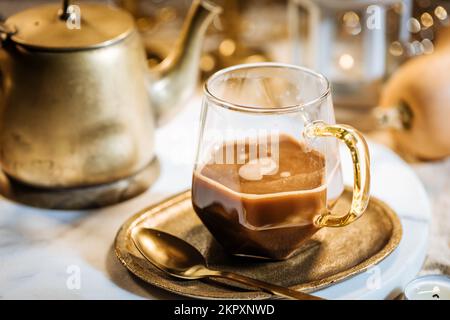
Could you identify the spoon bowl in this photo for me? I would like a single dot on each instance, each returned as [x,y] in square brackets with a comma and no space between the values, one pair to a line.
[169,253]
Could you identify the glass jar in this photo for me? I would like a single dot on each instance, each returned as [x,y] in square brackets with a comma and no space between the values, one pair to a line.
[348,41]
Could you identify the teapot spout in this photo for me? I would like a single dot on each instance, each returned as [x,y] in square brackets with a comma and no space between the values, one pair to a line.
[175,78]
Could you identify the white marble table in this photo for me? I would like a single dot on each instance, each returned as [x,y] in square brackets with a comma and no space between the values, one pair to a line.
[43,251]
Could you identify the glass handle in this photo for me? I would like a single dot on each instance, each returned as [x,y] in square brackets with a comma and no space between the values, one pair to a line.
[361,170]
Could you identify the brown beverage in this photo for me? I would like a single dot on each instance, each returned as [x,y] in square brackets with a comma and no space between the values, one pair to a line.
[264,215]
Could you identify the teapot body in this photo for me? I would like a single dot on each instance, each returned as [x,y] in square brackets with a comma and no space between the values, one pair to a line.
[77,117]
[78,101]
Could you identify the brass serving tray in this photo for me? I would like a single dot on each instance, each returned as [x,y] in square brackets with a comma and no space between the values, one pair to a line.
[332,255]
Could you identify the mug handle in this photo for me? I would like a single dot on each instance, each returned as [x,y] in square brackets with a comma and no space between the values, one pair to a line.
[361,169]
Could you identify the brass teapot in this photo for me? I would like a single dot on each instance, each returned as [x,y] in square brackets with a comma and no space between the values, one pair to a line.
[78,105]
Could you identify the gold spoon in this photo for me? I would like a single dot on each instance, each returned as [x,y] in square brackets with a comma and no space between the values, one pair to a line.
[178,258]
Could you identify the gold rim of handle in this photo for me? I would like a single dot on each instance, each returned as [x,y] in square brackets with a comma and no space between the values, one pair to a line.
[359,151]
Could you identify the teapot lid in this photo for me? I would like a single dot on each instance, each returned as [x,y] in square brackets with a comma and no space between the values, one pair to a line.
[87,26]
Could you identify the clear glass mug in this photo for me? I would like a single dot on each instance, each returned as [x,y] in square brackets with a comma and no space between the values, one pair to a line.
[264,179]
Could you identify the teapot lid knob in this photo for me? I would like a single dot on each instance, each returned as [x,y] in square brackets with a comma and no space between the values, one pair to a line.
[64,11]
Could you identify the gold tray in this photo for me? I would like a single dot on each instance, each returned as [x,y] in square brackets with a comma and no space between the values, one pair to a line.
[332,255]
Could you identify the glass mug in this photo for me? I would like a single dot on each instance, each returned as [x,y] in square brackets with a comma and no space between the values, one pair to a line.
[264,180]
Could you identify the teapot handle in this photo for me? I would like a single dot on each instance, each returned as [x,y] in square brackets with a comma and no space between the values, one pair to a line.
[5,34]
[3,37]
[2,86]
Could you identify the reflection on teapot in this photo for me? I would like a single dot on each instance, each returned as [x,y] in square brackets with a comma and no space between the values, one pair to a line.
[77,105]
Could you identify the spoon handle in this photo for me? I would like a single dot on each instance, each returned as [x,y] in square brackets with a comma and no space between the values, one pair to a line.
[265,286]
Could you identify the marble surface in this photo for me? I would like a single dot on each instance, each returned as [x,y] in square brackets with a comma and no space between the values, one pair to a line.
[43,253]
[436,178]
